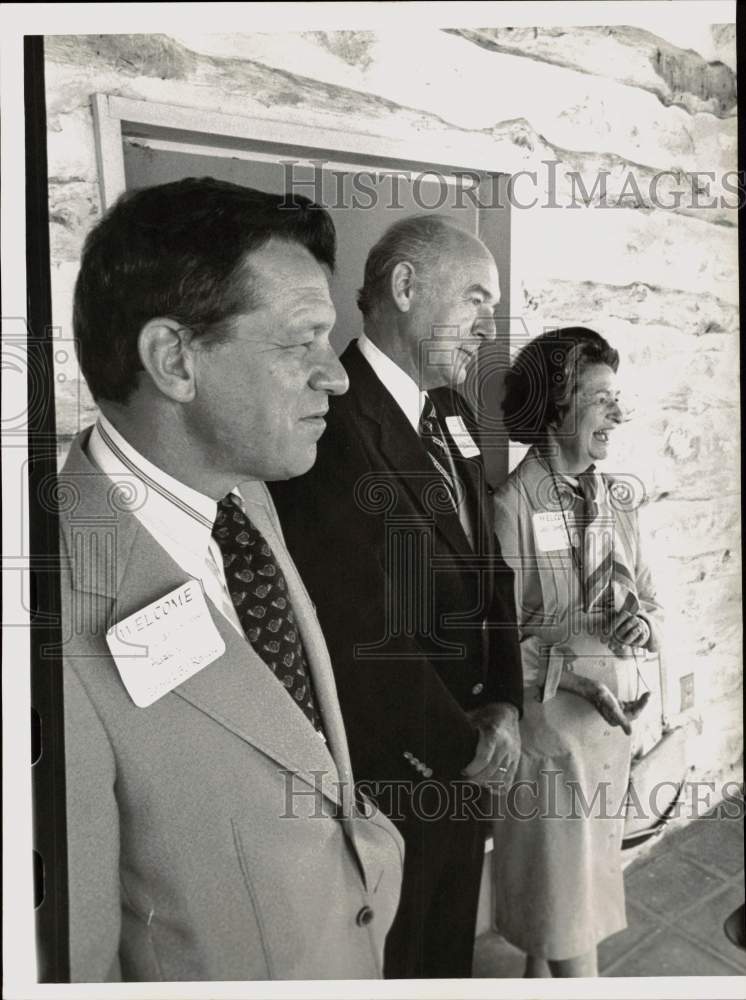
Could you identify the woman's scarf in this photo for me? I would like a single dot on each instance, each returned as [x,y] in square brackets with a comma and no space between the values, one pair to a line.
[607,579]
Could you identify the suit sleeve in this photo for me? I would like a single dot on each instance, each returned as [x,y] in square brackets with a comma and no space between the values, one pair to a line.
[92,840]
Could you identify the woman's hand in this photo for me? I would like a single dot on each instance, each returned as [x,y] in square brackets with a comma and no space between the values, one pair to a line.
[618,713]
[629,630]
[609,706]
[615,712]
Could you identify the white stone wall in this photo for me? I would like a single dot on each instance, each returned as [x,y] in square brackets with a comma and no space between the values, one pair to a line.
[660,283]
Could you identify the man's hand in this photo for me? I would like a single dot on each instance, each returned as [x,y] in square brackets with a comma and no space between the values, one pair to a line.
[499,746]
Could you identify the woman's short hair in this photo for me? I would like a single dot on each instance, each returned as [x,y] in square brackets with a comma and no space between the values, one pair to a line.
[178,250]
[544,377]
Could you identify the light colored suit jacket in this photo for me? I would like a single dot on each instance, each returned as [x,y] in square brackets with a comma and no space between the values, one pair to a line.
[212,835]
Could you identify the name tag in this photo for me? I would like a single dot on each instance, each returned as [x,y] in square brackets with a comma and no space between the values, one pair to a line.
[553,530]
[462,437]
[162,645]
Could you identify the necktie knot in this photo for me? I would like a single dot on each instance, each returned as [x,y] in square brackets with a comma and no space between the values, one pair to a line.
[426,416]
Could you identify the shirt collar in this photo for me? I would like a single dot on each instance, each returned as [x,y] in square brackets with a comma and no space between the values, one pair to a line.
[163,505]
[404,389]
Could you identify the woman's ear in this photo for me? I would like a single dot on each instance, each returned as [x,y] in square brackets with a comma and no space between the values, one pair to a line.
[165,350]
[403,285]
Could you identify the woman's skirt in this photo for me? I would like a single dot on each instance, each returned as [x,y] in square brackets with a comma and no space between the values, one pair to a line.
[558,884]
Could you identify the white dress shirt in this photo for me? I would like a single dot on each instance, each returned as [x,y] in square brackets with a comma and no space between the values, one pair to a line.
[404,389]
[179,518]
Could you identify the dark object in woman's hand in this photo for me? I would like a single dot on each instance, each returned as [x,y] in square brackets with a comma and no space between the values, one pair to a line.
[615,712]
[632,709]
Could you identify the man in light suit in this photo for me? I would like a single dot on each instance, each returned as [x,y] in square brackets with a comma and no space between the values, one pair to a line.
[211,816]
[416,604]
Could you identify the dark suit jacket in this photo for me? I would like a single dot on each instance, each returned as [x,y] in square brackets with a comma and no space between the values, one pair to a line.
[420,625]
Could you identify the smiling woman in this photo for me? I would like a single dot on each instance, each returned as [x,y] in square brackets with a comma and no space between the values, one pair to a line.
[586,608]
[582,436]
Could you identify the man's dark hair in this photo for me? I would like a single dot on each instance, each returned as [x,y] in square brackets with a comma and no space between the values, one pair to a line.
[178,250]
[544,378]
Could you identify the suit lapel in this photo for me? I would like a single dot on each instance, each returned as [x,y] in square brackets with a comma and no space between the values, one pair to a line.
[238,691]
[399,445]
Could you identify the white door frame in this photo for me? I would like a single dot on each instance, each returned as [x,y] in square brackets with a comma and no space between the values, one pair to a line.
[116,117]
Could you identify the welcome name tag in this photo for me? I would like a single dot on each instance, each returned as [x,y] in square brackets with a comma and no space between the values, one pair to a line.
[553,530]
[462,437]
[163,644]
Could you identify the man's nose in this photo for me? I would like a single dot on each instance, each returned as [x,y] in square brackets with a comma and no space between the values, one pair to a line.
[329,375]
[486,327]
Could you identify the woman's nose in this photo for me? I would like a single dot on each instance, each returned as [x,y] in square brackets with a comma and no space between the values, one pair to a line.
[616,411]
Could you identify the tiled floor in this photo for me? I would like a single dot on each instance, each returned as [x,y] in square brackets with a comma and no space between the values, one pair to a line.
[678,896]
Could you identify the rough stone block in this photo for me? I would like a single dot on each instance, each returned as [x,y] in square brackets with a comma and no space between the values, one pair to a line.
[724,39]
[625,246]
[74,206]
[668,312]
[626,54]
[570,110]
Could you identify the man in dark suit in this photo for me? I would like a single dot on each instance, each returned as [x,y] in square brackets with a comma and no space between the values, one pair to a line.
[392,532]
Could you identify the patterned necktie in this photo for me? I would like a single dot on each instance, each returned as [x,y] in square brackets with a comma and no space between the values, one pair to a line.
[606,581]
[259,593]
[431,435]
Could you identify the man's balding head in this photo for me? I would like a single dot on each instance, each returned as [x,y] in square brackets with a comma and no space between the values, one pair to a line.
[429,292]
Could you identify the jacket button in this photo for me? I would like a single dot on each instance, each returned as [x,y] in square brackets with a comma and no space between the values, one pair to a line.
[365,915]
[477,689]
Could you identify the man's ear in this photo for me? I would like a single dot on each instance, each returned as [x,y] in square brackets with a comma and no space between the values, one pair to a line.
[165,349]
[403,285]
